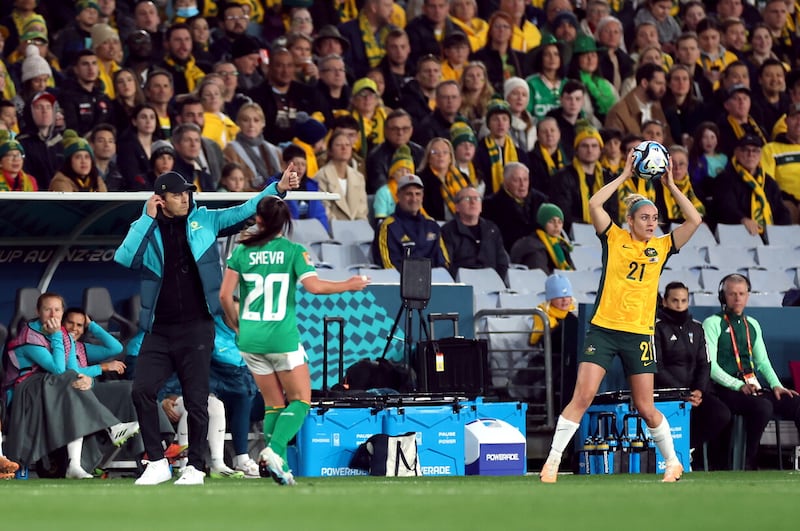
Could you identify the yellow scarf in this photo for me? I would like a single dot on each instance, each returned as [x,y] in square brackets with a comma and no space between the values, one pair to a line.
[23,183]
[371,130]
[615,169]
[106,73]
[760,211]
[347,10]
[552,165]
[634,185]
[190,71]
[685,186]
[453,181]
[585,192]
[312,167]
[739,131]
[374,46]
[497,163]
[554,315]
[556,248]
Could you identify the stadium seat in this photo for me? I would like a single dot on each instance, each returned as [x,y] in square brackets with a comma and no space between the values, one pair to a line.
[731,259]
[440,275]
[508,346]
[770,281]
[24,309]
[584,281]
[342,255]
[737,235]
[784,235]
[381,276]
[484,280]
[484,301]
[352,231]
[526,280]
[688,258]
[335,274]
[778,257]
[520,300]
[585,297]
[310,233]
[703,237]
[98,305]
[584,234]
[587,257]
[765,300]
[688,277]
[705,299]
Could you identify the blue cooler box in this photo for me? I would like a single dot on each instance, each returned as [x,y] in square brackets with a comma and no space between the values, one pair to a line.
[493,447]
[677,414]
[514,413]
[440,436]
[330,436]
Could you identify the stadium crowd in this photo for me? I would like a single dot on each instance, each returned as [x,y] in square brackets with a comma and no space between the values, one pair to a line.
[105,95]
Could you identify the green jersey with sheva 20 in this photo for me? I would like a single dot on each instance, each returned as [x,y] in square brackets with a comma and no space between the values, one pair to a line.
[268,275]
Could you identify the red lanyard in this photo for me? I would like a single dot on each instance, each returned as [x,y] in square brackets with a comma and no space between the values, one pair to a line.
[736,347]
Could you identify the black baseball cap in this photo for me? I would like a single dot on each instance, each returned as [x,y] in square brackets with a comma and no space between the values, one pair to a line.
[172,182]
[750,140]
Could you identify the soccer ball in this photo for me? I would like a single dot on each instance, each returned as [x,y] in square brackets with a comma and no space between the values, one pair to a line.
[650,160]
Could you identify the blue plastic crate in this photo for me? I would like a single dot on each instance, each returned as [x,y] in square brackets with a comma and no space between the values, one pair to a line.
[515,413]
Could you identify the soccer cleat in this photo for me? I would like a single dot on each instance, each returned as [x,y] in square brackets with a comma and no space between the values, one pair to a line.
[272,463]
[549,473]
[6,475]
[155,473]
[224,472]
[190,476]
[76,472]
[250,469]
[7,465]
[673,473]
[175,450]
[123,431]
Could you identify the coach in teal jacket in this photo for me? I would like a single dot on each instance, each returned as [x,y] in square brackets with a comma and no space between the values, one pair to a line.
[173,245]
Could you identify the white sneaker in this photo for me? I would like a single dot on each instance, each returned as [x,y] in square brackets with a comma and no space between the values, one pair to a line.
[250,469]
[274,463]
[190,476]
[223,472]
[155,473]
[123,431]
[76,472]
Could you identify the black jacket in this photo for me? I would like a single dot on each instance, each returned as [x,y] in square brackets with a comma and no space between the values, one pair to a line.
[43,157]
[434,125]
[494,65]
[680,351]
[380,158]
[732,199]
[483,164]
[299,97]
[413,100]
[530,251]
[565,191]
[134,164]
[84,109]
[514,220]
[465,251]
[422,39]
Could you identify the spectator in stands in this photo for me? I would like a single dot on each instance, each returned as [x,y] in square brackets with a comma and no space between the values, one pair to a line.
[738,355]
[777,161]
[785,45]
[613,157]
[366,109]
[642,103]
[418,95]
[455,53]
[572,187]
[36,75]
[74,38]
[523,125]
[472,241]
[585,68]
[734,35]
[745,193]
[337,177]
[41,140]
[217,125]
[232,98]
[573,96]
[679,156]
[12,176]
[386,196]
[201,39]
[513,208]
[442,180]
[614,62]
[302,209]
[397,130]
[713,56]
[329,41]
[135,148]
[526,35]
[445,114]
[179,61]
[687,53]
[162,160]
[502,61]
[409,232]
[683,361]
[769,99]
[146,18]
[103,141]
[737,120]
[310,135]
[464,145]
[107,46]
[299,44]
[128,94]
[334,90]
[367,36]
[81,98]
[658,12]
[476,92]
[210,158]
[79,172]
[497,149]
[11,24]
[233,22]
[683,111]
[464,14]
[188,162]
[158,91]
[233,178]
[548,155]
[426,31]
[548,248]
[395,67]
[140,52]
[547,81]
[259,159]
[54,406]
[761,41]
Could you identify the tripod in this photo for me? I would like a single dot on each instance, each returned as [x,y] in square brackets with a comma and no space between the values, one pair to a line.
[408,308]
[415,292]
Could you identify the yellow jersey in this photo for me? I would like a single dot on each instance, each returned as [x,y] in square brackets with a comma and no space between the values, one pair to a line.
[626,298]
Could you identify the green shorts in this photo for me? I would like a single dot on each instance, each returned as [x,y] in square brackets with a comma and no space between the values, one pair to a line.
[635,350]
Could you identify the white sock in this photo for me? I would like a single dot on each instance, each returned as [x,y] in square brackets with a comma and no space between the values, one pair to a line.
[74,451]
[1,443]
[565,430]
[663,438]
[183,422]
[241,459]
[216,431]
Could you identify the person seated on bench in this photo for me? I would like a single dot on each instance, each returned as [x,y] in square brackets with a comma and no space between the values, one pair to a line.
[53,406]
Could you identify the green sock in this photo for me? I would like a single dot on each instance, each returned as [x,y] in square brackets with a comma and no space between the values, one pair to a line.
[271,415]
[289,423]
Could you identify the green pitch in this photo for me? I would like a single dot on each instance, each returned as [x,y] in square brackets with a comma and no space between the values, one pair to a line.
[711,501]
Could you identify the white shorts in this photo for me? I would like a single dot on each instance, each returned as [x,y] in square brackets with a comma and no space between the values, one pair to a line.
[270,363]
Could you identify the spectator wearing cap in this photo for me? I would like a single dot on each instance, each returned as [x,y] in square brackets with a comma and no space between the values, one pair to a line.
[367,35]
[338,177]
[744,193]
[642,104]
[36,76]
[245,60]
[523,125]
[464,142]
[418,96]
[513,208]
[497,149]
[571,187]
[367,110]
[585,68]
[103,141]
[82,98]
[564,28]
[446,113]
[548,248]
[179,61]
[233,21]
[78,173]
[41,140]
[409,232]
[332,86]
[472,241]
[398,129]
[107,46]
[12,156]
[501,60]
[258,158]
[778,160]
[426,31]
[162,159]
[455,54]
[310,136]
[11,25]
[38,39]
[464,14]
[526,36]
[329,41]
[737,121]
[386,196]
[75,37]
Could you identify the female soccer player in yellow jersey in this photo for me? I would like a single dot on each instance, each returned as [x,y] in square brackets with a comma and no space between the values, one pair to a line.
[624,314]
[266,267]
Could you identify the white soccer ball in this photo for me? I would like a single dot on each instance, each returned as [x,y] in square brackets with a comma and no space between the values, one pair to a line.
[650,160]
